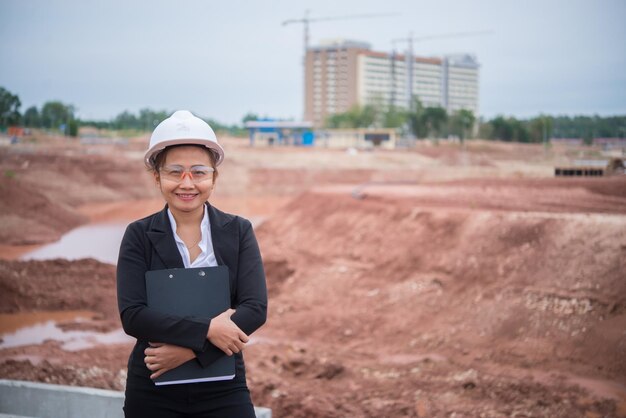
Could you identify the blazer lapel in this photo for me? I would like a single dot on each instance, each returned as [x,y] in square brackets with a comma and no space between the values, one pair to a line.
[219,234]
[162,239]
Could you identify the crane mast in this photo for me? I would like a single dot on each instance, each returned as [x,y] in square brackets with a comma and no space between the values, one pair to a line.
[410,60]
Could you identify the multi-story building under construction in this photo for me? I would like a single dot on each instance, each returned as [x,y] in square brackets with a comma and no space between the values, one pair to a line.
[341,74]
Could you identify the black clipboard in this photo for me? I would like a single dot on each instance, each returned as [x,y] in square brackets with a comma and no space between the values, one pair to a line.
[201,292]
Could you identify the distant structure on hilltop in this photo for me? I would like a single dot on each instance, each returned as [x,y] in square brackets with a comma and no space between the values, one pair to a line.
[342,73]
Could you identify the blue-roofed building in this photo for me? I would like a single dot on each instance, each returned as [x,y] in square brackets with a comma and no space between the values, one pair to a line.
[280,132]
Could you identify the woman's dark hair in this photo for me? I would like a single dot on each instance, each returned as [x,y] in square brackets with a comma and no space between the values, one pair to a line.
[159,159]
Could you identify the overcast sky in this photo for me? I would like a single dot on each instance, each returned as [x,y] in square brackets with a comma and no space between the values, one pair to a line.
[222,59]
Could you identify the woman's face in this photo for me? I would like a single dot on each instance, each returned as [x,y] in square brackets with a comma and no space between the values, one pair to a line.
[184,195]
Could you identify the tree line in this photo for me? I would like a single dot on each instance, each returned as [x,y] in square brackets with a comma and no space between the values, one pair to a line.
[435,122]
[421,121]
[61,117]
[147,119]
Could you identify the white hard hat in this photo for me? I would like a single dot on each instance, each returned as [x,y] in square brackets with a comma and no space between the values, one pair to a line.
[182,128]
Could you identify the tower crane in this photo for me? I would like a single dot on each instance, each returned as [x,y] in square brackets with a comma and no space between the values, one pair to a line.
[306,20]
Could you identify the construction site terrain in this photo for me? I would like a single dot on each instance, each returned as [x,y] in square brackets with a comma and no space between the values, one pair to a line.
[438,281]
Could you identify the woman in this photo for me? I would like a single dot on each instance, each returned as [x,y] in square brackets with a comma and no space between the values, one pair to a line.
[189,232]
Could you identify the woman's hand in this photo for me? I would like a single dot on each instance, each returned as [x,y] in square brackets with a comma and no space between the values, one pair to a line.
[225,334]
[163,357]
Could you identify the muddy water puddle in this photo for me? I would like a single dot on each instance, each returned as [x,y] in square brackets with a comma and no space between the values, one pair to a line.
[33,328]
[100,241]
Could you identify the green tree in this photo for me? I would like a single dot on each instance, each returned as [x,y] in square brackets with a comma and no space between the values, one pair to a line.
[248,117]
[461,123]
[485,129]
[366,116]
[394,117]
[336,121]
[415,119]
[126,120]
[535,129]
[540,128]
[56,114]
[9,108]
[32,118]
[72,128]
[357,117]
[148,119]
[508,129]
[501,129]
[434,118]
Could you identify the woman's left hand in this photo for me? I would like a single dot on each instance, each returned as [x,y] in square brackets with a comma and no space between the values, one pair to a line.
[162,357]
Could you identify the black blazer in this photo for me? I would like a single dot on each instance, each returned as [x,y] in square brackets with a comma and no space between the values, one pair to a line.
[148,244]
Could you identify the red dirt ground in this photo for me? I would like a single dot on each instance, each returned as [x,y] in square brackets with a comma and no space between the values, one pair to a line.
[474,297]
[475,311]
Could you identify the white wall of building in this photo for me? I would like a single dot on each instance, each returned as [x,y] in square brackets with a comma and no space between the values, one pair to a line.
[376,83]
[344,74]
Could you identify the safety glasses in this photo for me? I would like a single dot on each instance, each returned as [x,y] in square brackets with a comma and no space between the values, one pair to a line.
[177,173]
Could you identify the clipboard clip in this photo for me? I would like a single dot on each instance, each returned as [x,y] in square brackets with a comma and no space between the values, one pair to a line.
[200,273]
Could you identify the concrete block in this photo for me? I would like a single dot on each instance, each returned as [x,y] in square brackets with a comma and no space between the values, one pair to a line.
[41,400]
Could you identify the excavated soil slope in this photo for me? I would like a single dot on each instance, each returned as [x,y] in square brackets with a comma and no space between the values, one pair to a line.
[384,307]
[41,189]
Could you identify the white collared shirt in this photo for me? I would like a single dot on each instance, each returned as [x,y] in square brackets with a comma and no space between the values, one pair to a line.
[207,256]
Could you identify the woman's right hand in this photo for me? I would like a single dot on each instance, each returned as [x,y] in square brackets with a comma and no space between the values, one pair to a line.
[225,334]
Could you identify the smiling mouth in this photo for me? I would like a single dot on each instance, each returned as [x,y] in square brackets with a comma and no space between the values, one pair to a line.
[186,196]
